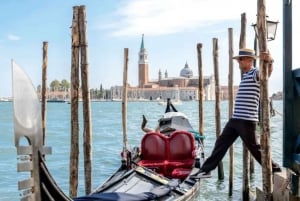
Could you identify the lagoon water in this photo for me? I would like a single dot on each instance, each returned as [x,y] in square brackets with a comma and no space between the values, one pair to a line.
[107,144]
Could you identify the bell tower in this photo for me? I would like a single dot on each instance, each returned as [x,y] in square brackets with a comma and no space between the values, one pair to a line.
[143,65]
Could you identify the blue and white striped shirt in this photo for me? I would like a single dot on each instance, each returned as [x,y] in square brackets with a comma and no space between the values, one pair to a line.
[247,98]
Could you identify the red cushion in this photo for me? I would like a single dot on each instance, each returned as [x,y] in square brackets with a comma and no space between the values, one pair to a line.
[171,156]
[181,146]
[181,154]
[156,166]
[188,163]
[172,165]
[154,153]
[154,146]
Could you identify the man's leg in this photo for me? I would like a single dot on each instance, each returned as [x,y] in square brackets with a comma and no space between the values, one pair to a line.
[247,132]
[225,140]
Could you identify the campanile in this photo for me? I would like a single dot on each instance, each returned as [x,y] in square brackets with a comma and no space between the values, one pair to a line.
[143,65]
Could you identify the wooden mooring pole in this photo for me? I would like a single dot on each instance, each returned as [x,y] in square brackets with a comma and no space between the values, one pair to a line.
[252,167]
[246,155]
[44,88]
[217,105]
[200,90]
[230,106]
[124,108]
[87,130]
[74,148]
[264,101]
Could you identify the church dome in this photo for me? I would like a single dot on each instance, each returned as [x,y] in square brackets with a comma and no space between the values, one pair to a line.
[186,71]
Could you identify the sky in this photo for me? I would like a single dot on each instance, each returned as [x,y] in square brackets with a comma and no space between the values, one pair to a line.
[172,29]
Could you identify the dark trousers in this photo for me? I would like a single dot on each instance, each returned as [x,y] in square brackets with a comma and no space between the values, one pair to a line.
[234,128]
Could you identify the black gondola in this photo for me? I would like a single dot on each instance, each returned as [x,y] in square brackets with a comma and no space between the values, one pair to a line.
[159,169]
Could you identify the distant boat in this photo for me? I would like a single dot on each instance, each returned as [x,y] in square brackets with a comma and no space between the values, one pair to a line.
[116,99]
[5,99]
[56,100]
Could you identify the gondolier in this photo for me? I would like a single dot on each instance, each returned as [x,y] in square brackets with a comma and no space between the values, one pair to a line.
[245,116]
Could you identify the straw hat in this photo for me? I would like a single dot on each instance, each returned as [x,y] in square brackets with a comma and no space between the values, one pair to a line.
[245,52]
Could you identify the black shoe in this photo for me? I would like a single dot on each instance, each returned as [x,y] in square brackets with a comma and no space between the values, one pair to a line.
[201,175]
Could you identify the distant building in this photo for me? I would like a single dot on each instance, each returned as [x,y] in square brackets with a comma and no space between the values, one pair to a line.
[143,66]
[184,87]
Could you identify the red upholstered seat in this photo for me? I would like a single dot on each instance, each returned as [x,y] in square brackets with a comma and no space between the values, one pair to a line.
[181,146]
[154,152]
[171,156]
[181,153]
[154,146]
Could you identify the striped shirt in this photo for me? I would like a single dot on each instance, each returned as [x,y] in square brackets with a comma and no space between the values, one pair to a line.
[247,98]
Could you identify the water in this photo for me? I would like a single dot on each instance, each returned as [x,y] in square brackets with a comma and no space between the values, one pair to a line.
[107,144]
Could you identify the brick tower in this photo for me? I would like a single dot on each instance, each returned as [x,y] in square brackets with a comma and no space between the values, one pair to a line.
[143,65]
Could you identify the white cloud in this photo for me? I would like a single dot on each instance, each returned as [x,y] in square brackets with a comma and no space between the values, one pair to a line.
[13,37]
[156,17]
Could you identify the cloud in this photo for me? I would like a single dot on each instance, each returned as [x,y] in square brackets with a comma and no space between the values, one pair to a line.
[13,37]
[156,17]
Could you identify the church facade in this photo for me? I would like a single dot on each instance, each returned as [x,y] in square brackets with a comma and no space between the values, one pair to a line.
[184,87]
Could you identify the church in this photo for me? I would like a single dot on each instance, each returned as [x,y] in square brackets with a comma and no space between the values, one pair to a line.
[184,87]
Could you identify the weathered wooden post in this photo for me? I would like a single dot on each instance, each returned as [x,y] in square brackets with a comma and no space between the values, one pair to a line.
[230,106]
[124,108]
[74,152]
[217,106]
[44,88]
[246,155]
[87,130]
[264,101]
[252,166]
[200,90]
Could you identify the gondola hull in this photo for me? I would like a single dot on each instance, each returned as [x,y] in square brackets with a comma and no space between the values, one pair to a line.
[160,168]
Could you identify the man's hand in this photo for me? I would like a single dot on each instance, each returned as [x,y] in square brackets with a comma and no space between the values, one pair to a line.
[266,57]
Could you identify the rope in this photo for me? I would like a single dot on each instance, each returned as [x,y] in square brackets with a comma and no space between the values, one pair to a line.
[272,110]
[278,112]
[197,135]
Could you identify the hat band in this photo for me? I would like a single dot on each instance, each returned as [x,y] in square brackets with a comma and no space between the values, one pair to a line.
[244,53]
